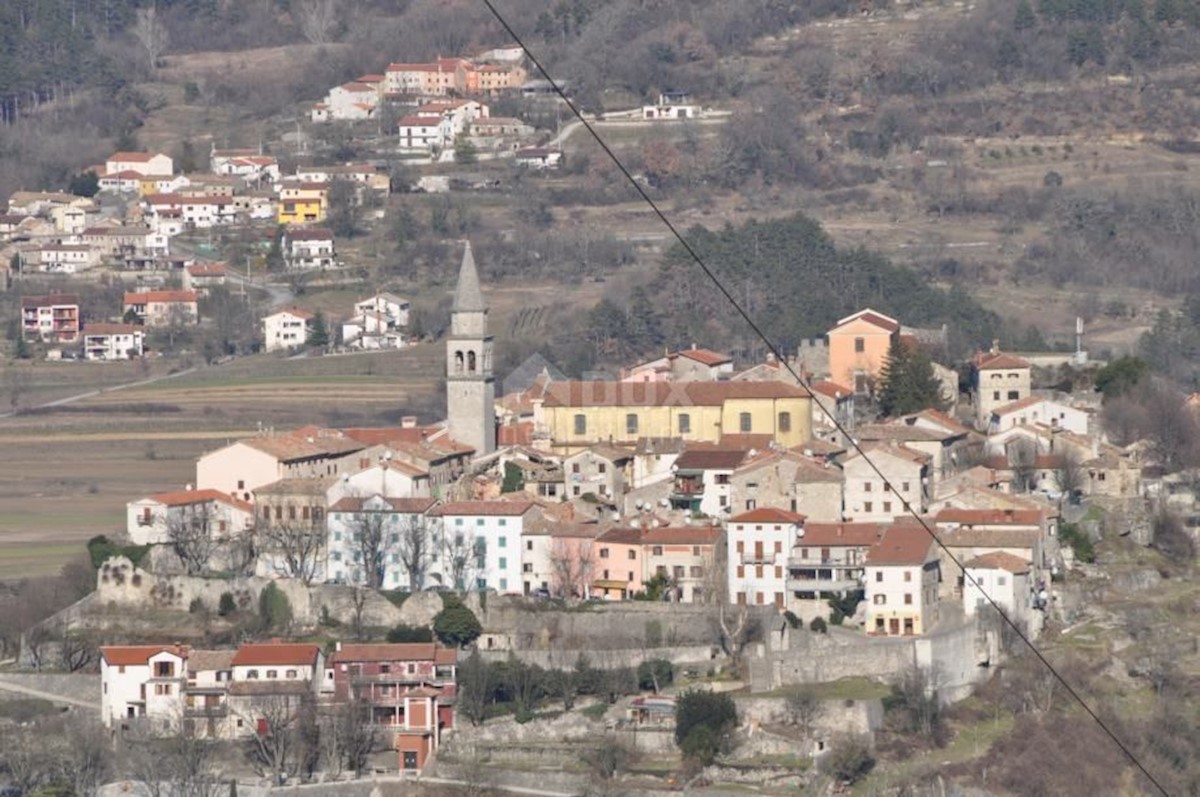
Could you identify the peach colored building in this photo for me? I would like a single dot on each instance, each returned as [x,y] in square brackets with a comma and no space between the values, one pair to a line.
[617,572]
[858,347]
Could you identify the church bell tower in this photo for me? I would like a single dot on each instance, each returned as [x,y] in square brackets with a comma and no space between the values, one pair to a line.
[470,385]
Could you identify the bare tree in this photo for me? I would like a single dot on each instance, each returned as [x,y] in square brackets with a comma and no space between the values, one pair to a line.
[358,733]
[358,607]
[804,708]
[461,558]
[571,567]
[1070,474]
[293,549]
[83,761]
[415,549]
[1022,459]
[151,34]
[317,19]
[179,765]
[367,528]
[76,651]
[276,748]
[190,534]
[26,758]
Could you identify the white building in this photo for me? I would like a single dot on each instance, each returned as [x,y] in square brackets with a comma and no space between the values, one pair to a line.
[142,681]
[539,158]
[1038,410]
[389,304]
[112,341]
[1000,379]
[1003,577]
[62,258]
[760,542]
[481,543]
[902,576]
[424,132]
[348,102]
[147,164]
[383,534]
[153,519]
[286,329]
[869,498]
[309,249]
[703,480]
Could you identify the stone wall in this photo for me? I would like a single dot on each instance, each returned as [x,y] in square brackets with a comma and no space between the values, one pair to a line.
[962,654]
[606,658]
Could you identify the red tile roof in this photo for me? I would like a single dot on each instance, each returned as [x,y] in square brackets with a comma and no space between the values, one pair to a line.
[833,534]
[705,356]
[419,121]
[208,270]
[831,389]
[681,535]
[986,361]
[991,517]
[281,653]
[53,299]
[768,515]
[710,459]
[189,497]
[871,317]
[135,655]
[145,297]
[484,508]
[999,560]
[407,651]
[902,544]
[310,234]
[399,505]
[111,329]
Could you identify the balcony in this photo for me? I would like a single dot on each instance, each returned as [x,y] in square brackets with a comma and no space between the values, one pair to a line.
[764,558]
[840,584]
[687,489]
[206,712]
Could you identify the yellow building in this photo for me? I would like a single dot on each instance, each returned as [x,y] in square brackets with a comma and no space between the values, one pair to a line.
[574,415]
[303,203]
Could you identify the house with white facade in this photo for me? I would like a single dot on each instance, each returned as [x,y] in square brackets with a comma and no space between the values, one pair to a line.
[1000,379]
[1039,410]
[1004,578]
[902,577]
[424,133]
[868,497]
[154,519]
[481,544]
[113,341]
[286,329]
[147,164]
[703,480]
[245,466]
[349,102]
[60,258]
[162,308]
[539,158]
[373,540]
[389,304]
[601,470]
[142,683]
[309,249]
[759,544]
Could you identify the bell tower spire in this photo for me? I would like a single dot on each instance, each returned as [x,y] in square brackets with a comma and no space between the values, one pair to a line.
[470,385]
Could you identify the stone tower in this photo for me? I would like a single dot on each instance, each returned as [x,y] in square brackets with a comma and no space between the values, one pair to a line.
[470,386]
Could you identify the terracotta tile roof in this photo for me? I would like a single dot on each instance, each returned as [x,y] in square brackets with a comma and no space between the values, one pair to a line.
[410,506]
[210,660]
[987,361]
[990,538]
[382,435]
[817,447]
[295,312]
[660,445]
[419,121]
[189,497]
[622,535]
[53,299]
[999,560]
[281,653]
[833,534]
[408,651]
[310,234]
[609,452]
[897,431]
[897,451]
[484,508]
[357,88]
[110,329]
[991,517]
[831,389]
[768,515]
[710,459]
[145,297]
[871,317]
[681,535]
[704,356]
[657,394]
[902,544]
[135,655]
[515,434]
[939,418]
[208,270]
[287,487]
[745,442]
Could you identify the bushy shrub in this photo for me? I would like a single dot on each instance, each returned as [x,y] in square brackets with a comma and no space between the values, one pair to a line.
[655,674]
[408,633]
[274,609]
[819,625]
[226,605]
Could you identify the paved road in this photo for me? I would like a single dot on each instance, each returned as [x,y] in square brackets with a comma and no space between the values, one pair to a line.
[9,686]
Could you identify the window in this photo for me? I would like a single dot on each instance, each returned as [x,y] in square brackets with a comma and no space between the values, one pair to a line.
[1013,395]
[695,550]
[632,554]
[785,422]
[908,575]
[529,545]
[603,468]
[880,600]
[866,487]
[904,487]
[908,599]
[292,674]
[502,522]
[744,422]
[241,484]
[503,562]
[1001,581]
[251,675]
[272,674]
[694,571]
[868,507]
[995,395]
[603,553]
[163,669]
[581,423]
[685,423]
[860,345]
[656,550]
[162,689]
[631,423]
[503,542]
[878,576]
[887,506]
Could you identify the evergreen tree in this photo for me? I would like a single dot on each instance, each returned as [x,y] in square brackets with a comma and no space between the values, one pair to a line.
[318,332]
[275,260]
[907,382]
[85,184]
[1025,18]
[465,152]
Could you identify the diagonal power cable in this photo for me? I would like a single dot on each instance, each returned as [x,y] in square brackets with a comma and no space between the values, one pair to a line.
[779,357]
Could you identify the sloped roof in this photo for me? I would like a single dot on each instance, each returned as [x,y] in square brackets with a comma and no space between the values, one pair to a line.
[871,317]
[681,535]
[135,655]
[901,544]
[400,651]
[991,517]
[710,459]
[467,295]
[210,660]
[411,506]
[768,515]
[988,361]
[704,356]
[833,534]
[111,329]
[658,394]
[484,508]
[281,653]
[999,560]
[189,497]
[145,297]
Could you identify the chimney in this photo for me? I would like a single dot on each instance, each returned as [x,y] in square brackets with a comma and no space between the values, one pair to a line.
[337,646]
[995,346]
[408,422]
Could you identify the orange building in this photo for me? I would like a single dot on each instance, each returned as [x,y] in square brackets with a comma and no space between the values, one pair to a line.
[858,347]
